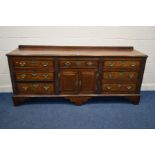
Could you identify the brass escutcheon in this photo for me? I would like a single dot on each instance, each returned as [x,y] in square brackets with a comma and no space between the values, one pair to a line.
[45,63]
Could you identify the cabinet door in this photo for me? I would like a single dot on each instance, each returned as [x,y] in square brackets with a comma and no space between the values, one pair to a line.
[69,81]
[88,81]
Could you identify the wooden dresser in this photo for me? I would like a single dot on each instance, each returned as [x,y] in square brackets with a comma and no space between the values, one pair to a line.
[77,73]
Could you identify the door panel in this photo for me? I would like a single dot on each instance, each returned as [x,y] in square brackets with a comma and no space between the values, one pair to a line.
[69,81]
[88,80]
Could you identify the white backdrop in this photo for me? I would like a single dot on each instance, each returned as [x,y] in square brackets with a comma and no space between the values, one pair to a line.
[142,38]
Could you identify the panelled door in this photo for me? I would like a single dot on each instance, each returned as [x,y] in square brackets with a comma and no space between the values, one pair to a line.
[69,81]
[74,81]
[88,81]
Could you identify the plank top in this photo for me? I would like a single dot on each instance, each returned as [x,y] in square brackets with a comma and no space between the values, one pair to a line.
[39,50]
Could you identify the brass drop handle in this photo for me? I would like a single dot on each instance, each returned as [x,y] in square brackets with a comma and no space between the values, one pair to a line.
[111,63]
[46,88]
[25,88]
[130,76]
[133,65]
[129,87]
[89,63]
[67,63]
[22,63]
[23,76]
[45,64]
[34,74]
[45,76]
[35,85]
[109,87]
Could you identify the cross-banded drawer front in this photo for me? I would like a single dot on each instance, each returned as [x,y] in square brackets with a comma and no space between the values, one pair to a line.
[33,62]
[26,76]
[123,76]
[78,64]
[121,64]
[35,88]
[119,88]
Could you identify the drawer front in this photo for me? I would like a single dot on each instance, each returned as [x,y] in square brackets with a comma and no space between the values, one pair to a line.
[131,64]
[119,88]
[34,69]
[33,62]
[35,88]
[24,76]
[78,64]
[124,76]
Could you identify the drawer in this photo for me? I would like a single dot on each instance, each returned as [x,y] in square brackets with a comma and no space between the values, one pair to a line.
[123,76]
[35,88]
[24,76]
[34,69]
[119,87]
[32,62]
[131,64]
[78,64]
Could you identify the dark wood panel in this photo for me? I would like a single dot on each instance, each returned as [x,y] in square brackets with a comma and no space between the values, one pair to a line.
[88,81]
[69,81]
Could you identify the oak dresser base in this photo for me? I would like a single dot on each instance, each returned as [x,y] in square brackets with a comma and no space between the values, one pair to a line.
[76,73]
